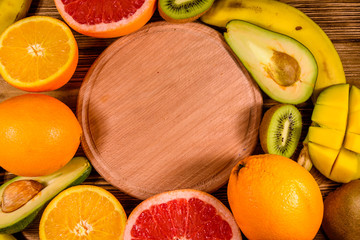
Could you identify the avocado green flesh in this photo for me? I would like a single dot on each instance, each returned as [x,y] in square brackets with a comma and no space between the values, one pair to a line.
[283,68]
[74,173]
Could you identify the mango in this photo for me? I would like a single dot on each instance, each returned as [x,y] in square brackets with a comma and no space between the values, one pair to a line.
[330,117]
[352,142]
[334,137]
[322,157]
[354,111]
[354,122]
[354,99]
[335,96]
[326,137]
[346,166]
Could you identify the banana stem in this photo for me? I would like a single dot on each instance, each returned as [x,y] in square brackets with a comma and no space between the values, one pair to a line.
[304,157]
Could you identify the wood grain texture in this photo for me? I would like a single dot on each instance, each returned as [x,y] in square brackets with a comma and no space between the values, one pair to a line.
[167,108]
[340,19]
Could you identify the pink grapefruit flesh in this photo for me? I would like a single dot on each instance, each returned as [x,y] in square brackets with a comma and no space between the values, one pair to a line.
[106,18]
[181,214]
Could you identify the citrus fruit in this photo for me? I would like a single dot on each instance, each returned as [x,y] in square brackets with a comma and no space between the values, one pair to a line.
[38,54]
[106,18]
[273,197]
[83,212]
[181,214]
[15,190]
[38,134]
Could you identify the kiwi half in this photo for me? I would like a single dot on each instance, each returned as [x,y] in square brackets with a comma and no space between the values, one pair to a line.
[183,10]
[280,130]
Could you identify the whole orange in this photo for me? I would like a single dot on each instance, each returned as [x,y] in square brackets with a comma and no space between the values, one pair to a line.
[273,197]
[38,134]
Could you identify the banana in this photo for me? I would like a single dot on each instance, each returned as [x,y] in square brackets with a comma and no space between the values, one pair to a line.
[11,11]
[283,18]
[304,156]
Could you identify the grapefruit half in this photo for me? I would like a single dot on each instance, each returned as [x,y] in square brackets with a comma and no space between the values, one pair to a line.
[106,18]
[181,214]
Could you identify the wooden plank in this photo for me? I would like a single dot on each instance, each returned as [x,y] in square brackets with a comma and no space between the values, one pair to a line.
[339,19]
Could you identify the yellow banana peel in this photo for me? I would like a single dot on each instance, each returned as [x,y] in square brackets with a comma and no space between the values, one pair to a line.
[285,19]
[11,11]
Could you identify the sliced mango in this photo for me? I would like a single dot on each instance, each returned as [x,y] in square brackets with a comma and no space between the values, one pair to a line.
[326,137]
[357,176]
[354,102]
[352,142]
[322,157]
[354,111]
[335,96]
[330,117]
[336,113]
[346,166]
[354,122]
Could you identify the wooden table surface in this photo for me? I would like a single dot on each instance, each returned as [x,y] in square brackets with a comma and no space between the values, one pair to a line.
[340,19]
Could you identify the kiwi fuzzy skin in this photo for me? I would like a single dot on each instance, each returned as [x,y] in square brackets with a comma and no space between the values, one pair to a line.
[341,212]
[183,20]
[264,125]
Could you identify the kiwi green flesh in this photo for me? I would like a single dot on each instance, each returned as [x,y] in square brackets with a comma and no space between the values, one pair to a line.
[183,9]
[281,130]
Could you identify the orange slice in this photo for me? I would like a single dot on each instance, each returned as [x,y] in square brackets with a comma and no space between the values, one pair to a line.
[106,18]
[83,212]
[38,54]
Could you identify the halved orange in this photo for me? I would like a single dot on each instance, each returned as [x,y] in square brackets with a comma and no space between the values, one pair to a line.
[38,54]
[106,18]
[83,212]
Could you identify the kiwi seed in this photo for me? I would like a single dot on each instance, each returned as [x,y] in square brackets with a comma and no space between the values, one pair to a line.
[183,10]
[280,130]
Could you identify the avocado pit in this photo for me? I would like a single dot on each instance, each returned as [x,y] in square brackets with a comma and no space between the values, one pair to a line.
[283,69]
[18,193]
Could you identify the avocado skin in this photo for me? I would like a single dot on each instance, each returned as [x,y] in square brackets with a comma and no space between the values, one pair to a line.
[25,221]
[22,224]
[286,74]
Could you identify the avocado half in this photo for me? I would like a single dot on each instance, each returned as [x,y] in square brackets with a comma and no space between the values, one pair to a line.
[74,173]
[283,68]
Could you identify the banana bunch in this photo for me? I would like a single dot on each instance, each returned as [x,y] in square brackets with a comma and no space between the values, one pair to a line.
[11,11]
[285,19]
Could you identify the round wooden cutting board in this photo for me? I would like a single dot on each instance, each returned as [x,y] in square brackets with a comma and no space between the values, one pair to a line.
[168,107]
